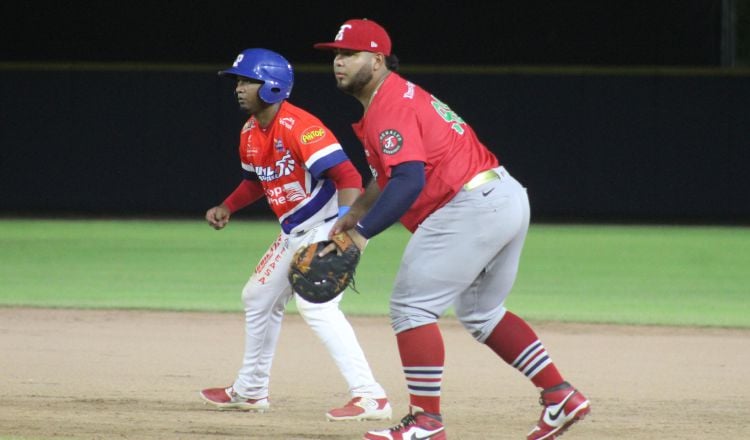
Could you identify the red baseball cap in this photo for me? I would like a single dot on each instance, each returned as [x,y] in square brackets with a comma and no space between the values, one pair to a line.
[360,35]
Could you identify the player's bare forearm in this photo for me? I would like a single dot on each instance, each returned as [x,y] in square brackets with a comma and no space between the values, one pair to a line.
[218,216]
[365,201]
[347,196]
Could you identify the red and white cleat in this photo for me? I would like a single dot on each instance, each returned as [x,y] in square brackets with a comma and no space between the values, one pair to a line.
[361,408]
[227,398]
[563,406]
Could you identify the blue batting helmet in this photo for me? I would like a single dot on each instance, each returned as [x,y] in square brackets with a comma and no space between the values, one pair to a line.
[267,66]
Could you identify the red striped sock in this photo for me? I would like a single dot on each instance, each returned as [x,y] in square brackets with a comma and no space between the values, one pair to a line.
[518,345]
[423,356]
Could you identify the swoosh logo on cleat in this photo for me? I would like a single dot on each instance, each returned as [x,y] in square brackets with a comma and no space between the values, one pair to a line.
[560,406]
[428,436]
[486,193]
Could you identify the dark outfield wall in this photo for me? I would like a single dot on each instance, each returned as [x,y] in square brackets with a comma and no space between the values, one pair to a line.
[596,145]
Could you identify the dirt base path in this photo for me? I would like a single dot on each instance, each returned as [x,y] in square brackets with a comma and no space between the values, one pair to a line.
[136,375]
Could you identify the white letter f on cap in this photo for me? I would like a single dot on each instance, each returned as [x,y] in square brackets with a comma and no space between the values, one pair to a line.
[340,35]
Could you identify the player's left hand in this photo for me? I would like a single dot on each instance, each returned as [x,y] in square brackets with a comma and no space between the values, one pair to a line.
[218,216]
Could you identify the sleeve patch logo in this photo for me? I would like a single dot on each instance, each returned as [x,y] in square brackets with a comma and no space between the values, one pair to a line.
[287,122]
[312,134]
[391,141]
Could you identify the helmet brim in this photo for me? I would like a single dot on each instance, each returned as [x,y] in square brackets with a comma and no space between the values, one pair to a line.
[231,72]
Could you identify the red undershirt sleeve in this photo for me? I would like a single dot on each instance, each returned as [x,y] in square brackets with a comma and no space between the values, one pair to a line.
[247,192]
[344,175]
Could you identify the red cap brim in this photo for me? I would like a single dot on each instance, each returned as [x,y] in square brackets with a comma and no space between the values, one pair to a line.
[341,45]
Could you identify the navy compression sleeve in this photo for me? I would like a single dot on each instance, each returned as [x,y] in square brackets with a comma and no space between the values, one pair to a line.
[402,189]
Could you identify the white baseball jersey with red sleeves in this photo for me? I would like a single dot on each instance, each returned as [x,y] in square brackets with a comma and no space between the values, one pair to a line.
[289,158]
[405,123]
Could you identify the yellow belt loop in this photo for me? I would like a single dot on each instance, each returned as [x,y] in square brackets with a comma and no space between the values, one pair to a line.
[480,179]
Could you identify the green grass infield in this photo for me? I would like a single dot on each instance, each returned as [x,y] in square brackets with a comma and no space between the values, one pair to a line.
[687,276]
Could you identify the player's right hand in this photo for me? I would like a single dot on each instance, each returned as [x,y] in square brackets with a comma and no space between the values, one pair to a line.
[218,216]
[346,225]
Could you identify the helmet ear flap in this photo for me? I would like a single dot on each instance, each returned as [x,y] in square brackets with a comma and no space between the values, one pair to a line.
[272,92]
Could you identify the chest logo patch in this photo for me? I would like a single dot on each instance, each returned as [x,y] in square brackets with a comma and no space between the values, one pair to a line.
[312,134]
[391,141]
[278,145]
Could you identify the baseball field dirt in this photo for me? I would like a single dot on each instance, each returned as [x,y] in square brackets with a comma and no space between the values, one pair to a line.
[77,374]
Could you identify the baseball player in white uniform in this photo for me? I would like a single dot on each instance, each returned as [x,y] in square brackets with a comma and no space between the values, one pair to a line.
[290,157]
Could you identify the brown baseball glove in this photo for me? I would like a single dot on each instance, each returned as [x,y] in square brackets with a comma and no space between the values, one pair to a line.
[320,279]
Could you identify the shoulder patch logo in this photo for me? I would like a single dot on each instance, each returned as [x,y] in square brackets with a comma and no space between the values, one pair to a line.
[287,122]
[313,134]
[391,141]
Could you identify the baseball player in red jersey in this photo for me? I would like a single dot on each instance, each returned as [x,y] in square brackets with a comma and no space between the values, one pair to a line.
[469,219]
[292,159]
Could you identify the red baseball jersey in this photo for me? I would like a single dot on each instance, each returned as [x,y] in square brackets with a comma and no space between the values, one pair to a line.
[405,123]
[289,158]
